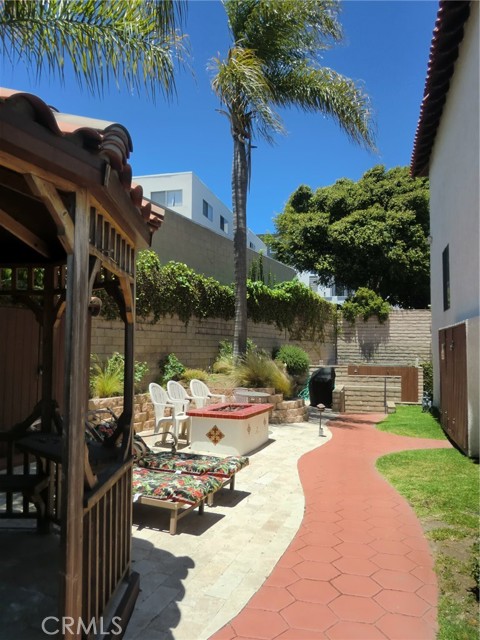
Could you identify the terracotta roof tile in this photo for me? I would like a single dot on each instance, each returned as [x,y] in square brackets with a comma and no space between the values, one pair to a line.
[447,36]
[109,140]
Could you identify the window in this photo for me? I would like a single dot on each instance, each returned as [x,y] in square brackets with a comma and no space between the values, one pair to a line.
[313,283]
[446,278]
[340,292]
[252,246]
[207,210]
[172,198]
[223,224]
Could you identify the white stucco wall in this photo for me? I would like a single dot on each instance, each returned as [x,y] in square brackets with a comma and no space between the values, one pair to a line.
[201,192]
[169,182]
[454,195]
[258,245]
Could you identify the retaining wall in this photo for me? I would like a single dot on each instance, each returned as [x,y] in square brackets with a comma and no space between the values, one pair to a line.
[403,339]
[284,411]
[195,345]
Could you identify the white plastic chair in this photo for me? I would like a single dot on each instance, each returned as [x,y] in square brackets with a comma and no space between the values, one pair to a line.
[178,395]
[161,402]
[180,398]
[202,394]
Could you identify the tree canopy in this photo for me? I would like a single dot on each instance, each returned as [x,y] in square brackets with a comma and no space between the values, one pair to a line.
[372,233]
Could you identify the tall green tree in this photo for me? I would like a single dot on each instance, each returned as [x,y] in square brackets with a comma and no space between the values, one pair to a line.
[274,62]
[372,233]
[131,41]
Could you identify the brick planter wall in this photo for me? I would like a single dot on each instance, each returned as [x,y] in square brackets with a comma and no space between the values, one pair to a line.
[144,415]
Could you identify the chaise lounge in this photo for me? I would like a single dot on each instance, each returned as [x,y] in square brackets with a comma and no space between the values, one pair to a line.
[179,493]
[193,463]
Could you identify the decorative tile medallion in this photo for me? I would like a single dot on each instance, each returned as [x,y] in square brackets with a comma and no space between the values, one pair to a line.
[215,435]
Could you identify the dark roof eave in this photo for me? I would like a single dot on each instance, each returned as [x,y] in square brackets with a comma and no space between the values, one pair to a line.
[447,36]
[31,142]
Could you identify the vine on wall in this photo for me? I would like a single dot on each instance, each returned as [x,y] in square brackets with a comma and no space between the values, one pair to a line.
[175,289]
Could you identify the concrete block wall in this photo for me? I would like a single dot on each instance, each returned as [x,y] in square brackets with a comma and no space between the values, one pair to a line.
[144,414]
[402,339]
[360,394]
[183,240]
[195,345]
[369,393]
[365,398]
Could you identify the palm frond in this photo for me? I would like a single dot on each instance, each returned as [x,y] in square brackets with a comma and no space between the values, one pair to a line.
[288,30]
[323,90]
[243,89]
[131,41]
[277,49]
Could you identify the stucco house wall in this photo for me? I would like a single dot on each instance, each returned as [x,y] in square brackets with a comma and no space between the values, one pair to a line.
[450,155]
[454,196]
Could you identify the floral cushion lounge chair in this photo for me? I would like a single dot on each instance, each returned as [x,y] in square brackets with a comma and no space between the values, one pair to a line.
[177,492]
[194,463]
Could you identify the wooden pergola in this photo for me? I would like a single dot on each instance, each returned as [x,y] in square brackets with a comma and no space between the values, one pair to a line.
[70,224]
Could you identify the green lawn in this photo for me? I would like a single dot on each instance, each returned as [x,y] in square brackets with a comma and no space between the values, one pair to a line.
[409,420]
[443,488]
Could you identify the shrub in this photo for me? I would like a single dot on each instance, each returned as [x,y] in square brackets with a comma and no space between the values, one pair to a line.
[427,377]
[258,370]
[223,364]
[106,380]
[289,305]
[191,374]
[170,368]
[225,348]
[295,359]
[365,303]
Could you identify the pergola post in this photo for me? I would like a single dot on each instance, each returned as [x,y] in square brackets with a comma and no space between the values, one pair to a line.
[47,349]
[75,400]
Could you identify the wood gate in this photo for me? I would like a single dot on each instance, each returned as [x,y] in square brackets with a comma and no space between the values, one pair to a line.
[453,383]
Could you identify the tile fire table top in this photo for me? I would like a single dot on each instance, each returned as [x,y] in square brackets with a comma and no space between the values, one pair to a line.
[230,411]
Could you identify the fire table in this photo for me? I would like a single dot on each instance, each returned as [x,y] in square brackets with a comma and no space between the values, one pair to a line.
[230,429]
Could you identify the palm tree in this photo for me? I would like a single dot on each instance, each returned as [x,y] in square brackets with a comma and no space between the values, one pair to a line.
[134,41]
[273,63]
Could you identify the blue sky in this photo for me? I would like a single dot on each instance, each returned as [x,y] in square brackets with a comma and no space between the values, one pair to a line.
[386,48]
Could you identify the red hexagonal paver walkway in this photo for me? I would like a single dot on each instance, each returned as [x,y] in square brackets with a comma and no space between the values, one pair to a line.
[333,584]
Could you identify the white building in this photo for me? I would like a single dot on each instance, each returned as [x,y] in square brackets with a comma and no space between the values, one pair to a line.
[186,194]
[198,229]
[447,149]
[333,294]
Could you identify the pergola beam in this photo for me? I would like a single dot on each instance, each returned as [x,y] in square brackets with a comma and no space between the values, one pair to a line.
[47,192]
[22,233]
